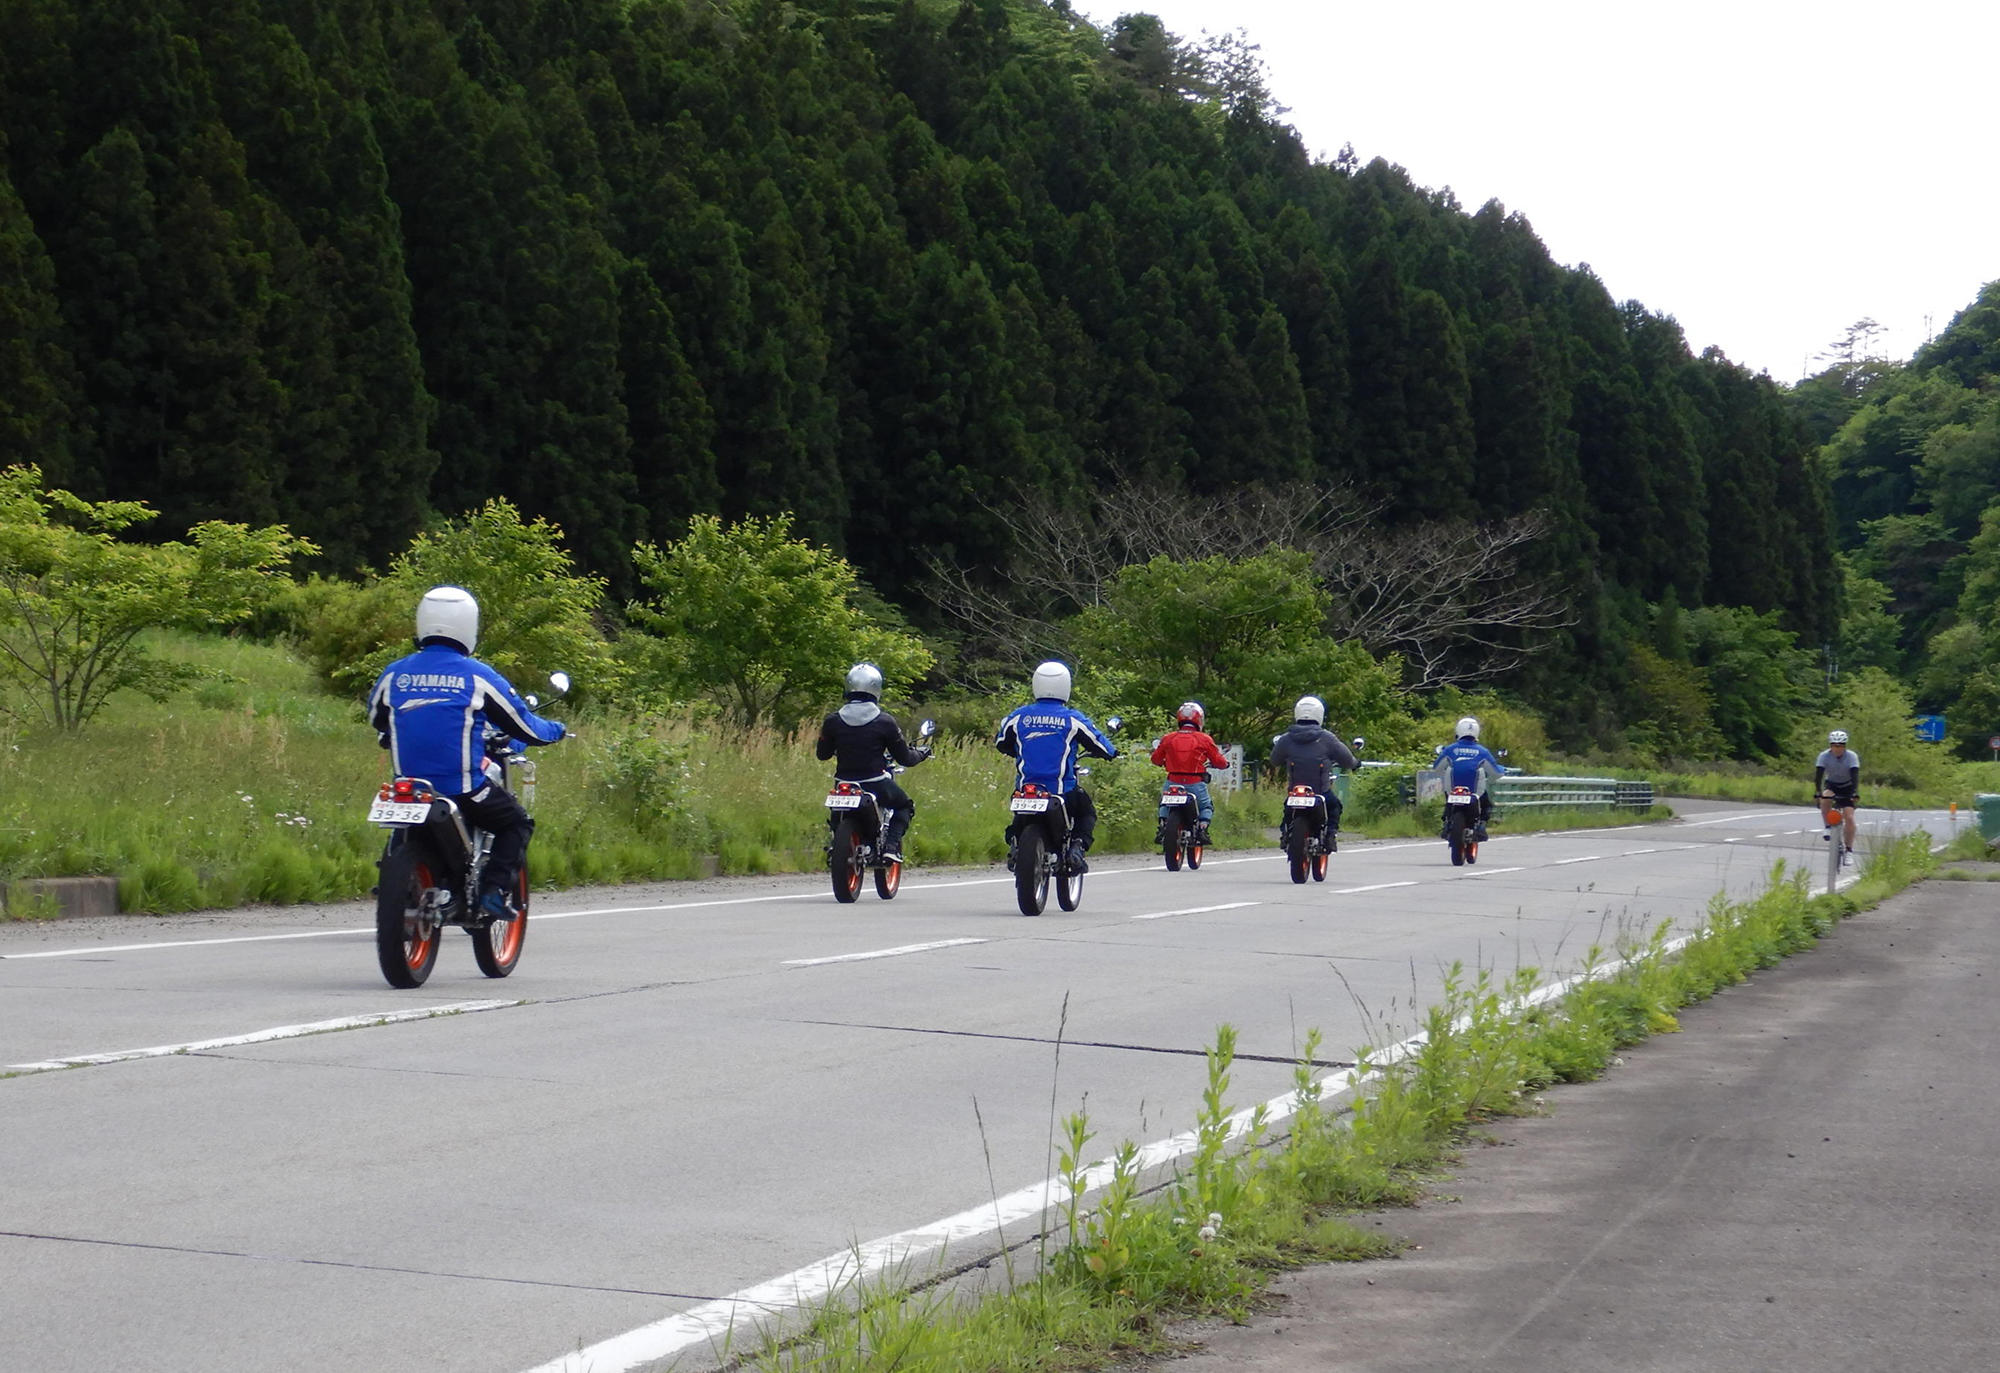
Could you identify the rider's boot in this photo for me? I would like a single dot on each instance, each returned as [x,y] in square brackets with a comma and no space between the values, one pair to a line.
[1201,833]
[1013,847]
[496,903]
[1077,863]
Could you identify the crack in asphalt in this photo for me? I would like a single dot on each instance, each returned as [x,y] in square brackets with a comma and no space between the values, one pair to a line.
[345,1263]
[1072,1043]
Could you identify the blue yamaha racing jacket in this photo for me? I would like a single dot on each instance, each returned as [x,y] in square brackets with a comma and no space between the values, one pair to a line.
[1044,738]
[434,707]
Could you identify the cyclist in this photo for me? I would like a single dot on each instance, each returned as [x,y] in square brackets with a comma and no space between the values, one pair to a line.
[1836,779]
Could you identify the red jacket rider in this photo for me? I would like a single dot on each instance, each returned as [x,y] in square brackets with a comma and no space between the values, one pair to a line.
[1184,752]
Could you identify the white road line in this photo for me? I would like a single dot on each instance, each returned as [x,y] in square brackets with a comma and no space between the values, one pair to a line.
[1378,886]
[1490,872]
[1197,910]
[180,944]
[1634,853]
[880,953]
[1767,836]
[1587,858]
[1737,840]
[349,1022]
[1736,818]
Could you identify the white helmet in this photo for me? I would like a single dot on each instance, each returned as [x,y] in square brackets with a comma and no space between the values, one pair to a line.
[1838,736]
[449,613]
[1051,681]
[1310,708]
[1467,728]
[865,679]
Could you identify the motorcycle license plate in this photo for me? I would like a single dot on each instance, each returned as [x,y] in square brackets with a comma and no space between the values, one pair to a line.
[1029,805]
[1459,799]
[839,802]
[1302,802]
[1175,798]
[399,812]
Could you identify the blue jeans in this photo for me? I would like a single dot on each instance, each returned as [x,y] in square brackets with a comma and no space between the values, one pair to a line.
[1203,806]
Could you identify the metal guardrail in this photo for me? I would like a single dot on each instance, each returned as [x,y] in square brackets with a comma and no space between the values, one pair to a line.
[1516,792]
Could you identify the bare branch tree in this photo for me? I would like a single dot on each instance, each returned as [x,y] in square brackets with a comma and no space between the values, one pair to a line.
[1449,597]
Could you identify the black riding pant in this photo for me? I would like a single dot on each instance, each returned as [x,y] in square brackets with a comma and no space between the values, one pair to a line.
[1082,819]
[897,806]
[495,810]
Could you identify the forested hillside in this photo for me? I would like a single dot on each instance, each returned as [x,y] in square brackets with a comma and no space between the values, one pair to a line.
[898,268]
[1913,452]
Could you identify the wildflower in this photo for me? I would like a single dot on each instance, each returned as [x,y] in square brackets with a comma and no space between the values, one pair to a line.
[1207,1232]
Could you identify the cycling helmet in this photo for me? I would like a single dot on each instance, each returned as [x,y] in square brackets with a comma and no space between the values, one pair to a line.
[865,679]
[1838,736]
[1310,710]
[1190,713]
[448,614]
[1468,728]
[1051,682]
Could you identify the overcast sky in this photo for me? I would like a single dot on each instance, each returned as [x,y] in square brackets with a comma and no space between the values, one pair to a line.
[1766,172]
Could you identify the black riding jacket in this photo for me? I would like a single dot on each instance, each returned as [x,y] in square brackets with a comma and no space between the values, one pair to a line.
[1309,752]
[863,738]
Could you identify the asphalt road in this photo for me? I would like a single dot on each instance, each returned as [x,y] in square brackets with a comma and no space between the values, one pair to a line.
[1802,1179]
[691,1092]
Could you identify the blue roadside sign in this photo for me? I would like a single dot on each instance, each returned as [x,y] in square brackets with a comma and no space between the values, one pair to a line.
[1930,728]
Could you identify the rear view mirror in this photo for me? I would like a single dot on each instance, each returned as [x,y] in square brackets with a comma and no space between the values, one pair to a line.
[1114,723]
[927,729]
[560,681]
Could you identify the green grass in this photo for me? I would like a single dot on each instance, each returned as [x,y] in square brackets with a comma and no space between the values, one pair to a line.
[1121,1265]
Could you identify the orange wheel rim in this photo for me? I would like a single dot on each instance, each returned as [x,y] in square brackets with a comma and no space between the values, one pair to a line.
[416,943]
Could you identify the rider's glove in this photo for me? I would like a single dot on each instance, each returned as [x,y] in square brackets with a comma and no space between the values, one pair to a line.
[923,754]
[382,737]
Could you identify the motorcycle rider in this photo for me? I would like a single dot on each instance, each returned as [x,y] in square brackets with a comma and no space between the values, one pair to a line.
[863,738]
[1470,764]
[431,710]
[1044,738]
[1309,752]
[1187,754]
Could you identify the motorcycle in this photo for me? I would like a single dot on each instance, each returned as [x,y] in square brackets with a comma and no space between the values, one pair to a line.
[1179,836]
[1308,840]
[1041,846]
[855,823]
[428,875]
[1461,825]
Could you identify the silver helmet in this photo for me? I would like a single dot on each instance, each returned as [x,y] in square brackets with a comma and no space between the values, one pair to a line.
[1310,709]
[449,613]
[1051,682]
[865,679]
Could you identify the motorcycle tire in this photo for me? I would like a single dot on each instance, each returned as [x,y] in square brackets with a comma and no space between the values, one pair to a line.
[496,945]
[1031,874]
[1194,853]
[1170,842]
[1069,888]
[889,881]
[1455,836]
[405,944]
[843,862]
[1472,850]
[1295,851]
[1319,867]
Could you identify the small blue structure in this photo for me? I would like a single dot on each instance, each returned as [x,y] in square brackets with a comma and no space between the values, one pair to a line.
[1930,728]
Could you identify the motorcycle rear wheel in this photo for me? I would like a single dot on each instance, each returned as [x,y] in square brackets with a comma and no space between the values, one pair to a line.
[844,860]
[496,945]
[1170,842]
[1319,866]
[1031,874]
[1194,856]
[1455,836]
[1295,850]
[406,942]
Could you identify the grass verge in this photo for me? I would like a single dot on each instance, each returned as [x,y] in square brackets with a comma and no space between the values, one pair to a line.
[1267,1189]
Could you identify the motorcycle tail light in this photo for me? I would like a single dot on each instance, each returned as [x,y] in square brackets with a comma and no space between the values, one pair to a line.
[846,789]
[406,790]
[1301,791]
